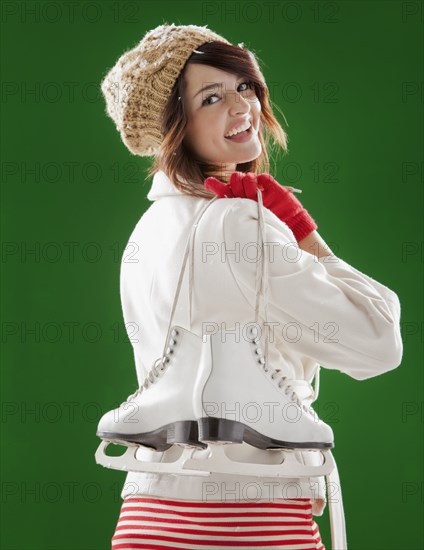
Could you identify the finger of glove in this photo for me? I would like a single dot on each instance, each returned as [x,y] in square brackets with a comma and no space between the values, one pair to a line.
[250,185]
[236,184]
[277,197]
[267,181]
[218,187]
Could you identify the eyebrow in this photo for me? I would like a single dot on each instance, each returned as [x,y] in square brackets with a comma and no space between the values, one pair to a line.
[211,86]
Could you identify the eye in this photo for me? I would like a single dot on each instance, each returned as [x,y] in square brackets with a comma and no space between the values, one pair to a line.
[248,83]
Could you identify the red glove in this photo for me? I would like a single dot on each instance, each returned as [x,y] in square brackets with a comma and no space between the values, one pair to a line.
[280,200]
[240,185]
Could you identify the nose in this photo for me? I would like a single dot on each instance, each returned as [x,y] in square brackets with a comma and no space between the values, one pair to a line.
[237,103]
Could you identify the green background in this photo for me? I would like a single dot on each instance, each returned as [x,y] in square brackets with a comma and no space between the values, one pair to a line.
[348,77]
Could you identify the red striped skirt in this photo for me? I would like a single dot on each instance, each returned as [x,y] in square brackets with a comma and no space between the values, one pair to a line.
[157,524]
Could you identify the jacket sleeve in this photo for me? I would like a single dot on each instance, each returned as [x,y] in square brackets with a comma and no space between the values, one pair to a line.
[321,307]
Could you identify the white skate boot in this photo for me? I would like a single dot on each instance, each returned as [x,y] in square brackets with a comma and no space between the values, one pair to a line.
[240,397]
[160,413]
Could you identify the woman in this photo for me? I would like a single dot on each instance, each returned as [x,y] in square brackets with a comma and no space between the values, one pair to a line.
[178,96]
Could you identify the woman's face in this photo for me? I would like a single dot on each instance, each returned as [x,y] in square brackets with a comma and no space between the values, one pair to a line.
[213,113]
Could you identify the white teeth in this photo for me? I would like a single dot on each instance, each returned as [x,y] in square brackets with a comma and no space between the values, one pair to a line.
[238,130]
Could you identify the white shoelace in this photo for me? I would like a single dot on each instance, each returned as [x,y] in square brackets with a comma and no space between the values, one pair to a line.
[150,379]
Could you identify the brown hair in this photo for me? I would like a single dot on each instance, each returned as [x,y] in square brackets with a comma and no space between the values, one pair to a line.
[175,159]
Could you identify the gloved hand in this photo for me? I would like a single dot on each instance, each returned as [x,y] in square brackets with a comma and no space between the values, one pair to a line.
[280,200]
[240,185]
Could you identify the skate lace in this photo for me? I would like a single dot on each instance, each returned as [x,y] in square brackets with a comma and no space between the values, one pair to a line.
[284,382]
[158,366]
[276,374]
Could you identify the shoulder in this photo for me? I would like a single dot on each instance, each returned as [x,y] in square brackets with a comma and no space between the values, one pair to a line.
[239,217]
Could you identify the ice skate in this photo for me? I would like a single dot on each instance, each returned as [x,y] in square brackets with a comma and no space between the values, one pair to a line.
[159,414]
[240,397]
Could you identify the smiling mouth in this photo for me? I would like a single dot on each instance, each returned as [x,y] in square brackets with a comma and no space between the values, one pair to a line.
[241,135]
[250,125]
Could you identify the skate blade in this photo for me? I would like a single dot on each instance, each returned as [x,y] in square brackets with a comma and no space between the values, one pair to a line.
[179,460]
[286,464]
[171,461]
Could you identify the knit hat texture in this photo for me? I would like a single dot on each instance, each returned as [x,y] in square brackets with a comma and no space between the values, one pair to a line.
[138,86]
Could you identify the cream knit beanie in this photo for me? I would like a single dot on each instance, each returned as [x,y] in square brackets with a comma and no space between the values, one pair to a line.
[137,88]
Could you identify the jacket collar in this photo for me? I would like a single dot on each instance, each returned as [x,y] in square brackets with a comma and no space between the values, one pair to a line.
[162,186]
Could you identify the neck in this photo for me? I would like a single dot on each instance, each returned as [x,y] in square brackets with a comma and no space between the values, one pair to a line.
[225,173]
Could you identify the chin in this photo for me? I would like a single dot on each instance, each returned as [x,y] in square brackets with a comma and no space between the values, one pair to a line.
[249,158]
[246,157]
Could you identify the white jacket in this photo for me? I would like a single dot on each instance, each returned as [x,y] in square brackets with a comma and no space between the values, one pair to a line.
[355,319]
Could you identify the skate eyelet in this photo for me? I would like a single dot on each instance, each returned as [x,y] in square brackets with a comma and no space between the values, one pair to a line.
[258,351]
[253,333]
